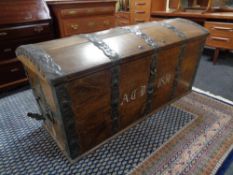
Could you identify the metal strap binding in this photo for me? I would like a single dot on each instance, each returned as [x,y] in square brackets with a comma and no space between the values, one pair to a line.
[41,59]
[201,48]
[178,71]
[174,29]
[115,93]
[68,120]
[204,30]
[153,67]
[182,36]
[136,31]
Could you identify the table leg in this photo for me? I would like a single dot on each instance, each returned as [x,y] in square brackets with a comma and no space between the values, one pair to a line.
[216,54]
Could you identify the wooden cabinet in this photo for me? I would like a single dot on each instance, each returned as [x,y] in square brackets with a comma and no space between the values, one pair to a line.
[140,10]
[221,36]
[76,17]
[21,22]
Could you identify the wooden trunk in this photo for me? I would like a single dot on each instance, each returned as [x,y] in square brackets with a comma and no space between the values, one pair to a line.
[89,87]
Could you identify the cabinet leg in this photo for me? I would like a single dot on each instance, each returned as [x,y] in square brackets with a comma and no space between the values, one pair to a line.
[216,54]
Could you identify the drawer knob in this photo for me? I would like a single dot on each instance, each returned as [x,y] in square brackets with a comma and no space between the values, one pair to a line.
[3,33]
[72,12]
[220,39]
[90,10]
[223,28]
[107,23]
[7,50]
[91,24]
[14,70]
[74,26]
[38,29]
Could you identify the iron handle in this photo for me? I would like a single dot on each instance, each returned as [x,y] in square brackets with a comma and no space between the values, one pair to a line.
[36,116]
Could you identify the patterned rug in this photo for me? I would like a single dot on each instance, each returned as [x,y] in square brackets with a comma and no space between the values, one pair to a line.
[27,148]
[190,131]
[200,147]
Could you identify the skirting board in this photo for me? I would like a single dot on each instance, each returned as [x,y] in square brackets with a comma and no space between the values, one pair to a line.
[213,96]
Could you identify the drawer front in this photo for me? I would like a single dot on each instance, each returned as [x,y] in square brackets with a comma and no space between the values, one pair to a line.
[122,15]
[11,71]
[7,49]
[141,17]
[24,31]
[220,42]
[122,22]
[77,12]
[220,29]
[87,25]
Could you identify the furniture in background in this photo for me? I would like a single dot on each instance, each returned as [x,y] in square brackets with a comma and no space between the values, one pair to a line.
[136,11]
[219,21]
[21,22]
[77,17]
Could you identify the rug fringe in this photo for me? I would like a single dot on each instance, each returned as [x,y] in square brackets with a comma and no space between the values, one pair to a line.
[221,161]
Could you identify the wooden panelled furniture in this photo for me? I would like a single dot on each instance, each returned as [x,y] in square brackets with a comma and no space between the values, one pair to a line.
[21,22]
[140,11]
[219,24]
[218,20]
[76,17]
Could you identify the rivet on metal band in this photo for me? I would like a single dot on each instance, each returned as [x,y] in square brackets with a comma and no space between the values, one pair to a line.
[41,60]
[115,70]
[153,67]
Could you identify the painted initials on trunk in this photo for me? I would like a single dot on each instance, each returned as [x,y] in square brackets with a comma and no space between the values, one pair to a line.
[134,94]
[141,90]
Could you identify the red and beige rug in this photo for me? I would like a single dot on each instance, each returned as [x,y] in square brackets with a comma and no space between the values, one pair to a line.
[200,147]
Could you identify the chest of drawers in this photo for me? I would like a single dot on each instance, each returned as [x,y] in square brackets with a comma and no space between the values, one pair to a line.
[21,22]
[77,17]
[221,36]
[140,10]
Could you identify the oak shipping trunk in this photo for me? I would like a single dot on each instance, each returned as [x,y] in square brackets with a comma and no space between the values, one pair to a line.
[89,87]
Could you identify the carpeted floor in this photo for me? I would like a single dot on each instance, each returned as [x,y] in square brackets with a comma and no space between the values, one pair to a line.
[217,79]
[201,147]
[27,148]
